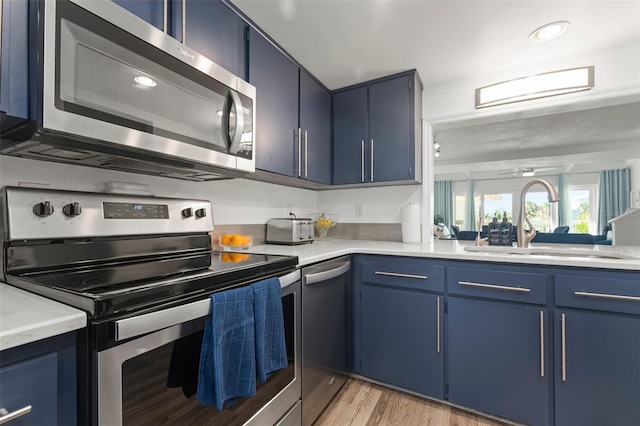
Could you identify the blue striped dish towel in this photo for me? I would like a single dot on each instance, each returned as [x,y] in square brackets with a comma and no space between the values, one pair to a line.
[228,358]
[271,349]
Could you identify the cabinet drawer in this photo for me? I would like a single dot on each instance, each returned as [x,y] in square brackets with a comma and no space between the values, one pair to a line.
[415,274]
[515,286]
[32,383]
[600,293]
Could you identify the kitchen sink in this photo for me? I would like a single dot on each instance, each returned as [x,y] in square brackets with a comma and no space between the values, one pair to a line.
[551,251]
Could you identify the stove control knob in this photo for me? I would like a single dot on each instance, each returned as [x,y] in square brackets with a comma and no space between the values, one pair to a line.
[201,213]
[188,212]
[43,209]
[72,209]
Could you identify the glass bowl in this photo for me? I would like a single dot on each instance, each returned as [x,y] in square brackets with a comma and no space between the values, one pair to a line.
[324,221]
[235,242]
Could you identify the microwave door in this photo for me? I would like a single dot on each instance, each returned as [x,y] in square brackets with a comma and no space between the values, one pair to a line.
[140,89]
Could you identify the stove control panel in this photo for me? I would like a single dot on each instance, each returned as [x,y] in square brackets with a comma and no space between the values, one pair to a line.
[51,214]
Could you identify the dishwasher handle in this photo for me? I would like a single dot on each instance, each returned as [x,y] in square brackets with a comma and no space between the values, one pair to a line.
[321,276]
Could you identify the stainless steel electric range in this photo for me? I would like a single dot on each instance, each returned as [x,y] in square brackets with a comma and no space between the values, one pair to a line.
[143,269]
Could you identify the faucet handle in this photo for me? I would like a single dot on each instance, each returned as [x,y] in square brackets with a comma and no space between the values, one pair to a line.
[532,232]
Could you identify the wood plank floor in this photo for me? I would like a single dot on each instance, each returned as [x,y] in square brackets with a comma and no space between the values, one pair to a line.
[361,403]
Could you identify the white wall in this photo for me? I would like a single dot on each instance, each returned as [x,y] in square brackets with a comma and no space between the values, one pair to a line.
[634,172]
[235,201]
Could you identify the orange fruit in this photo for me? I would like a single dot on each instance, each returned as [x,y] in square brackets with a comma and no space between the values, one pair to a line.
[238,257]
[244,240]
[226,257]
[225,240]
[236,240]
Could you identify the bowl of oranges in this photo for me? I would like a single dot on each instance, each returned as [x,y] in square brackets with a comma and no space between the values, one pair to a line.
[234,242]
[323,222]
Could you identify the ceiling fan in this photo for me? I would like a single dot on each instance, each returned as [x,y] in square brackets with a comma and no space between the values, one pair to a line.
[527,171]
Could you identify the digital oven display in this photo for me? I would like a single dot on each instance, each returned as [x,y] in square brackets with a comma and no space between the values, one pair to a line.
[135,211]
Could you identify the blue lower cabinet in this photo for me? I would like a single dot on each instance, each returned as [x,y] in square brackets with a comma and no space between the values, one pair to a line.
[498,359]
[401,343]
[31,386]
[599,381]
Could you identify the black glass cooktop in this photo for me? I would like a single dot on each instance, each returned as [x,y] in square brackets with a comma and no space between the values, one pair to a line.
[118,289]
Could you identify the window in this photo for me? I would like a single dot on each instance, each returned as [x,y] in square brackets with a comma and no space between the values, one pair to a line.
[496,205]
[583,209]
[539,211]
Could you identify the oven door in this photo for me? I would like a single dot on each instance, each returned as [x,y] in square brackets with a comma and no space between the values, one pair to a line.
[111,77]
[146,380]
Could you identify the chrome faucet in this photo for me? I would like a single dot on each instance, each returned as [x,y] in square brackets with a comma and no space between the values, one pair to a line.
[523,238]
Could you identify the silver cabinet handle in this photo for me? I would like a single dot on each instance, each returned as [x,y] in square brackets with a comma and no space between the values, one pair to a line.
[438,323]
[362,159]
[299,152]
[322,276]
[496,287]
[184,21]
[564,347]
[541,343]
[165,21]
[607,296]
[395,274]
[372,175]
[7,417]
[306,154]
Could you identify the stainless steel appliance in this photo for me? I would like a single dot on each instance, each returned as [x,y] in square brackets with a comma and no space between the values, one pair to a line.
[289,231]
[326,336]
[110,90]
[143,270]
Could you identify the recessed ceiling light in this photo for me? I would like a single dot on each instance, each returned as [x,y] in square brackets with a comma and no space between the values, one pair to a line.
[145,81]
[549,31]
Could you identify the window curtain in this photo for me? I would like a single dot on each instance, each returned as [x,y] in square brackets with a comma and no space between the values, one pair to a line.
[613,195]
[470,208]
[564,206]
[443,204]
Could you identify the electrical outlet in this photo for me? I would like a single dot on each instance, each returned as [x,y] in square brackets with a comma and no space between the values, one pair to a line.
[359,210]
[289,209]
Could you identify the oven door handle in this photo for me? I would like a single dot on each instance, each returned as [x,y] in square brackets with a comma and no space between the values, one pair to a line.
[153,321]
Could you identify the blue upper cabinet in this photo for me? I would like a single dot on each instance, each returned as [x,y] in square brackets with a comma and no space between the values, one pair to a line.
[276,80]
[377,132]
[207,26]
[14,63]
[217,32]
[315,127]
[349,136]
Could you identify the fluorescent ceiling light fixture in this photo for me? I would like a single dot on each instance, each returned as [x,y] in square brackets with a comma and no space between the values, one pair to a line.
[538,86]
[145,81]
[549,31]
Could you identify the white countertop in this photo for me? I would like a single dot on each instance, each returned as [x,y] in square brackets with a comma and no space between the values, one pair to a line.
[321,250]
[26,317]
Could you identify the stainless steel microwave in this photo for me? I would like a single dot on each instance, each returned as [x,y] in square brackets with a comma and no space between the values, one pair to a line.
[115,92]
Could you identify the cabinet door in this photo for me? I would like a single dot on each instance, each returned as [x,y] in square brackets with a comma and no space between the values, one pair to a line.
[497,359]
[315,122]
[276,80]
[349,136]
[400,338]
[215,31]
[601,380]
[152,11]
[31,383]
[390,129]
[14,62]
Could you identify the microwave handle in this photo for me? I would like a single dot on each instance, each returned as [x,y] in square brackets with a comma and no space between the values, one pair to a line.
[234,144]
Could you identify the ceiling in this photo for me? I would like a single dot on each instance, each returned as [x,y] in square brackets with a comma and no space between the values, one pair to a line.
[343,42]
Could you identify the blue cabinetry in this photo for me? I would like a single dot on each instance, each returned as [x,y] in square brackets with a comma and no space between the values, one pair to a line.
[293,116]
[400,317]
[31,387]
[597,349]
[497,356]
[41,375]
[377,131]
[210,27]
[14,63]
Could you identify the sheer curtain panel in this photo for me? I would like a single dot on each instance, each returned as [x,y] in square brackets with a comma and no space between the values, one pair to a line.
[443,201]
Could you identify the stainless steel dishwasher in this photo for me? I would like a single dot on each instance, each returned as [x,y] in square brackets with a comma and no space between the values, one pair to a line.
[326,334]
